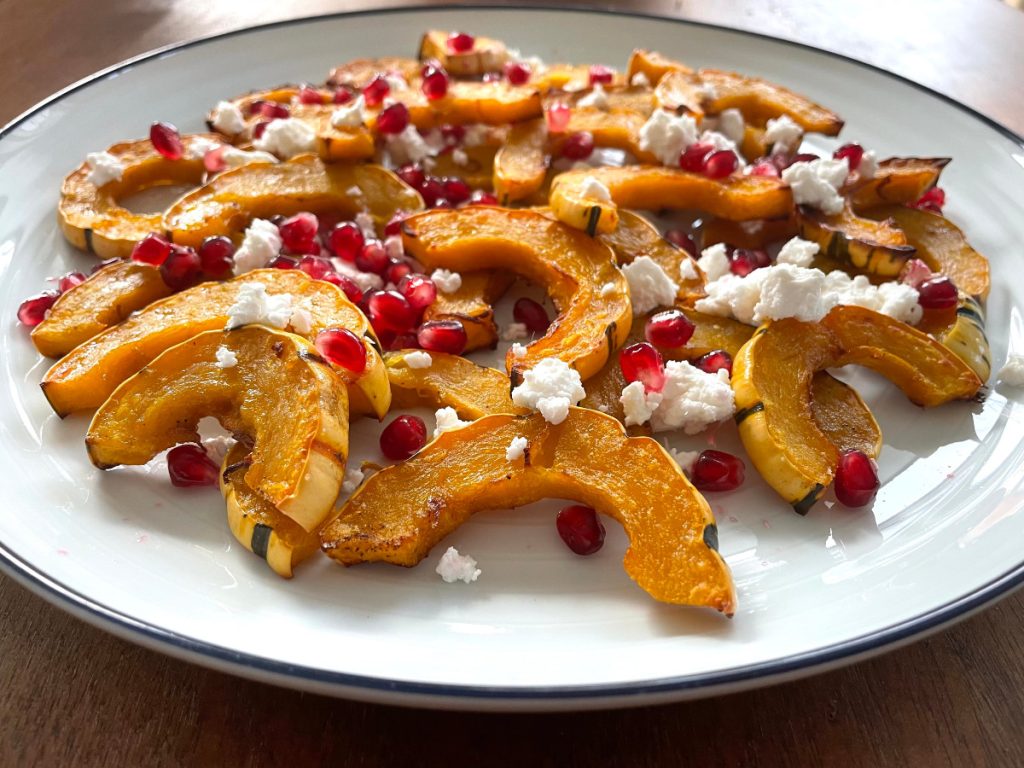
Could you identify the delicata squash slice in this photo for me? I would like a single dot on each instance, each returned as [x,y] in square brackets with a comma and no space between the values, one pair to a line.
[281,395]
[86,376]
[874,247]
[485,54]
[472,306]
[401,512]
[898,180]
[450,380]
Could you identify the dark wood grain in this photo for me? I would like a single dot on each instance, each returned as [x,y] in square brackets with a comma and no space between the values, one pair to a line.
[73,695]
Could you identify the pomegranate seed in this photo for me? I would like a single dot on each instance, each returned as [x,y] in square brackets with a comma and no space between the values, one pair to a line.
[937,293]
[435,83]
[714,361]
[765,167]
[443,204]
[853,153]
[517,72]
[600,74]
[856,479]
[152,249]
[717,471]
[393,119]
[310,95]
[642,362]
[347,284]
[166,140]
[681,239]
[669,329]
[396,271]
[579,146]
[33,310]
[432,191]
[403,437]
[933,200]
[314,266]
[190,466]
[343,95]
[456,190]
[720,164]
[341,347]
[460,42]
[394,226]
[216,256]
[404,341]
[915,272]
[346,241]
[743,261]
[372,258]
[442,336]
[483,198]
[531,314]
[213,160]
[558,116]
[298,233]
[692,158]
[376,90]
[283,262]
[255,107]
[259,128]
[803,157]
[419,291]
[453,134]
[103,264]
[412,175]
[182,269]
[390,311]
[580,529]
[273,110]
[69,281]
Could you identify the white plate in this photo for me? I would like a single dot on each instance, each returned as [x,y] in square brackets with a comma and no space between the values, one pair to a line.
[541,629]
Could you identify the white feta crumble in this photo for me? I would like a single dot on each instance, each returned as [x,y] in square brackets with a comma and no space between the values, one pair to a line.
[455,567]
[418,359]
[226,358]
[236,158]
[640,80]
[366,281]
[103,168]
[666,135]
[396,82]
[199,146]
[514,331]
[255,305]
[408,146]
[592,189]
[260,244]
[720,141]
[227,118]
[685,459]
[301,320]
[649,286]
[354,192]
[798,252]
[365,223]
[692,400]
[349,115]
[608,289]
[731,123]
[393,246]
[816,183]
[447,420]
[286,138]
[714,262]
[550,387]
[688,270]
[596,99]
[353,479]
[476,135]
[446,281]
[637,404]
[1012,374]
[518,350]
[516,449]
[217,447]
[783,134]
[868,165]
[459,157]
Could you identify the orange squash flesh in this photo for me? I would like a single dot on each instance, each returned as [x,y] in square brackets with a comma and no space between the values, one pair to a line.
[652,65]
[472,390]
[874,247]
[681,91]
[486,55]
[477,170]
[843,417]
[358,73]
[472,306]
[522,162]
[587,458]
[898,180]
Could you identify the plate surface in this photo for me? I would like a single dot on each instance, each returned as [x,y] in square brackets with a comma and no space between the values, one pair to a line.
[541,629]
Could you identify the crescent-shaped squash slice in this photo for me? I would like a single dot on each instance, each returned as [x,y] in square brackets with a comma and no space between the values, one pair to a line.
[521,164]
[574,268]
[873,247]
[469,101]
[358,73]
[105,299]
[92,218]
[450,380]
[898,180]
[560,80]
[682,91]
[401,512]
[648,187]
[966,336]
[772,383]
[843,416]
[86,376]
[652,65]
[748,234]
[472,306]
[230,201]
[486,54]
[476,168]
[281,395]
[257,524]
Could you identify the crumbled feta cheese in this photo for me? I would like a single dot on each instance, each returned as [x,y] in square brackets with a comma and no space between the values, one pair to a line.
[103,168]
[476,134]
[217,447]
[783,134]
[418,359]
[353,478]
[868,165]
[226,358]
[816,183]
[731,123]
[516,449]
[640,80]
[692,399]
[790,291]
[236,158]
[638,404]
[408,146]
[732,296]
[719,141]
[447,420]
[260,244]
[550,387]
[685,459]
[301,320]
[592,189]
[596,99]
[514,331]
[354,191]
[688,270]
[349,115]
[367,281]
[459,157]
[446,281]
[708,91]
[798,252]
[518,350]
[897,300]
[227,119]
[1012,374]
[455,567]
[666,135]
[396,82]
[714,262]
[649,286]
[255,305]
[608,289]
[286,138]
[393,246]
[365,223]
[198,146]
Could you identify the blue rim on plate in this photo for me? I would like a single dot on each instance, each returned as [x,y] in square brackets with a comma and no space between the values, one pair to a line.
[261,668]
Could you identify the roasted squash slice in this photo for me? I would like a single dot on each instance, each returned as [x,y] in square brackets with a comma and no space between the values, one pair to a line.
[86,376]
[522,163]
[229,202]
[652,65]
[772,383]
[748,234]
[358,73]
[472,306]
[476,168]
[965,336]
[753,144]
[91,217]
[560,80]
[467,101]
[401,512]
[450,380]
[898,180]
[574,269]
[647,187]
[874,247]
[486,55]
[681,91]
[257,524]
[105,299]
[843,417]
[281,395]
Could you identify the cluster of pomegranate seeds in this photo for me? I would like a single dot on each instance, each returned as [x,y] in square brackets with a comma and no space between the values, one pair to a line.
[182,268]
[391,311]
[310,95]
[440,191]
[283,262]
[189,465]
[743,261]
[347,284]
[683,240]
[717,471]
[341,347]
[937,293]
[669,329]
[376,91]
[703,158]
[299,233]
[856,479]
[316,267]
[601,75]
[442,336]
[216,256]
[418,290]
[393,119]
[580,529]
[531,314]
[642,362]
[69,281]
[578,146]
[692,158]
[714,361]
[152,249]
[346,240]
[932,200]
[32,310]
[853,153]
[167,141]
[435,81]
[460,42]
[517,72]
[403,437]
[557,117]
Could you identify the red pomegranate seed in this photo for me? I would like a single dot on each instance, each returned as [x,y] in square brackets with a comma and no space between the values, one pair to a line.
[517,72]
[853,153]
[720,164]
[419,291]
[393,119]
[765,167]
[443,203]
[442,336]
[32,311]
[600,74]
[580,529]
[347,284]
[531,314]
[915,272]
[435,83]
[669,329]
[743,261]
[937,293]
[692,158]
[856,479]
[642,362]
[346,240]
[579,146]
[69,281]
[803,157]
[403,437]
[376,90]
[216,256]
[314,266]
[681,239]
[372,258]
[483,198]
[259,128]
[456,190]
[254,107]
[310,95]
[103,264]
[390,311]
[343,95]
[404,341]
[412,175]
[453,134]
[432,191]
[152,249]
[213,159]
[396,270]
[182,269]
[715,361]
[460,42]
[166,140]
[341,347]
[717,471]
[190,466]
[933,200]
[394,225]
[558,116]
[298,233]
[283,262]
[273,110]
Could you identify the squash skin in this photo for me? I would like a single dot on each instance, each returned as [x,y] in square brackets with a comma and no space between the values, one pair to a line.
[873,247]
[898,180]
[281,394]
[86,376]
[472,306]
[587,458]
[966,338]
[105,299]
[571,266]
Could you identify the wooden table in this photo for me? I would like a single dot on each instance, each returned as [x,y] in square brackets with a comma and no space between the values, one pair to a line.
[74,695]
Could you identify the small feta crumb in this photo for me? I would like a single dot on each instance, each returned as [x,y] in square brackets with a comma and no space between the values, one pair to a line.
[685,459]
[816,183]
[637,404]
[476,135]
[516,449]
[608,289]
[396,82]
[459,157]
[217,447]
[714,262]
[260,244]
[226,358]
[514,331]
[649,286]
[719,141]
[518,350]
[365,223]
[255,305]
[692,400]
[688,270]
[301,320]
[349,115]
[868,166]
[798,252]
[286,138]
[448,420]
[393,246]
[354,191]
[550,387]
[783,134]
[596,99]
[1012,374]
[640,80]
[592,189]
[418,359]
[198,146]
[446,281]
[666,136]
[408,146]
[227,119]
[103,168]
[236,158]
[353,478]
[455,567]
[731,123]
